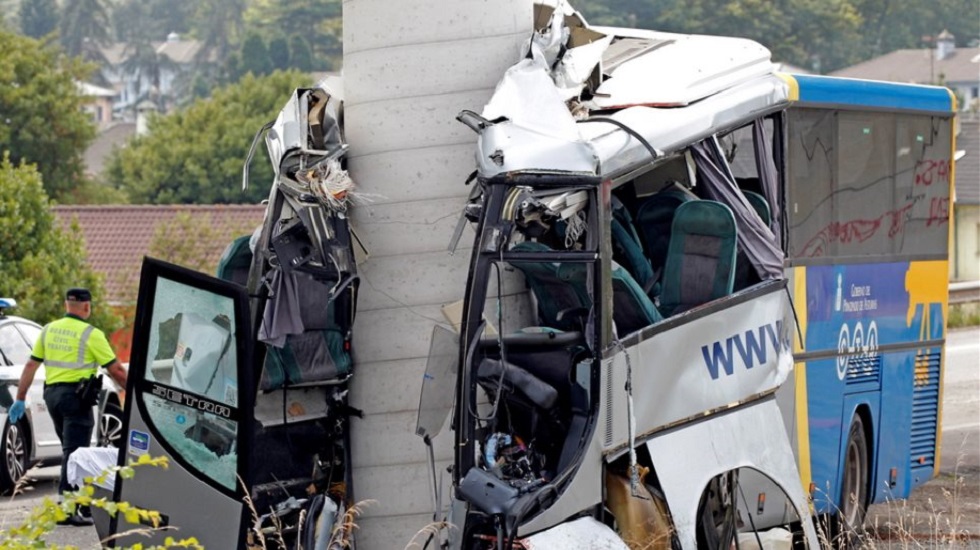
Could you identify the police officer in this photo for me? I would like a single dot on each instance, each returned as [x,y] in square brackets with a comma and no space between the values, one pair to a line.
[72,351]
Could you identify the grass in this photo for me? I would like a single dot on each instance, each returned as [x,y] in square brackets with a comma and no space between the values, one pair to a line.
[939,523]
[964,315]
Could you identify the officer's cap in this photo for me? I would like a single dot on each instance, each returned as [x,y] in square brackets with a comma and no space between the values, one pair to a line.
[78,295]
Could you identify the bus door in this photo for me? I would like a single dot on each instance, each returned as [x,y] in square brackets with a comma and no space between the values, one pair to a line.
[190,386]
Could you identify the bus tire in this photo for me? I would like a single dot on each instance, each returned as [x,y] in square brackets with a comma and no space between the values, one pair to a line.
[848,523]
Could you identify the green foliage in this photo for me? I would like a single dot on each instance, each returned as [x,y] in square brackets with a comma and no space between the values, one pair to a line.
[300,54]
[219,24]
[31,533]
[141,60]
[38,260]
[196,155]
[313,20]
[162,18]
[279,53]
[38,18]
[41,120]
[824,35]
[84,26]
[964,315]
[255,56]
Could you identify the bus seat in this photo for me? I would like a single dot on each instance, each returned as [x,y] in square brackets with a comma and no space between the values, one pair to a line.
[553,293]
[561,287]
[654,218]
[319,354]
[632,308]
[700,264]
[745,274]
[235,261]
[628,252]
[760,205]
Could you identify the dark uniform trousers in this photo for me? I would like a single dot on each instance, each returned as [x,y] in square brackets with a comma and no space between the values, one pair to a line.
[73,423]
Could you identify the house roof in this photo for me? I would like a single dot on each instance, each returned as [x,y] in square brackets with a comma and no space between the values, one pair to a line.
[179,51]
[98,151]
[118,236]
[91,90]
[968,167]
[918,66]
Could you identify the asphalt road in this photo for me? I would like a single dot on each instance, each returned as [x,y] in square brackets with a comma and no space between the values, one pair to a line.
[950,503]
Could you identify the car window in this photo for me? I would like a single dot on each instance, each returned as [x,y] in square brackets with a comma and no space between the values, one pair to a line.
[15,349]
[30,332]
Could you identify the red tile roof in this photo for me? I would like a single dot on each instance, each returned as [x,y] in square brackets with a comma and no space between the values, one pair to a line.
[118,236]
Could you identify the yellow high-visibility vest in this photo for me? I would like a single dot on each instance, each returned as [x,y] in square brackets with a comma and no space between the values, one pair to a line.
[71,350]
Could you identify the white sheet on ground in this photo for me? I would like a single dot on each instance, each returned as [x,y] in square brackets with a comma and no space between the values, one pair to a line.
[91,462]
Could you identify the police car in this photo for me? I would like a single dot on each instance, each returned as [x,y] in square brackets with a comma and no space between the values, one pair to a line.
[33,440]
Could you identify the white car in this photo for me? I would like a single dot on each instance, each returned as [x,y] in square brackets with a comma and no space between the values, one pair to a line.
[33,440]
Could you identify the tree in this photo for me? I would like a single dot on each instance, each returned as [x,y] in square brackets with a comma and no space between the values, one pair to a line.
[162,17]
[39,260]
[141,59]
[279,53]
[41,108]
[255,55]
[300,54]
[84,29]
[38,18]
[894,24]
[318,21]
[796,31]
[195,155]
[219,24]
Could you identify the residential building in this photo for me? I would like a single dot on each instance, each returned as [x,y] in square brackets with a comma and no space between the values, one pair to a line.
[98,103]
[945,64]
[177,59]
[965,261]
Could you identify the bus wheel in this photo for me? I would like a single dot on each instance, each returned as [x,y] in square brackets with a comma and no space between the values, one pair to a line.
[849,522]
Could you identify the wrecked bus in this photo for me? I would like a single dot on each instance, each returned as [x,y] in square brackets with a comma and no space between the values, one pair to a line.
[664,227]
[695,306]
[241,381]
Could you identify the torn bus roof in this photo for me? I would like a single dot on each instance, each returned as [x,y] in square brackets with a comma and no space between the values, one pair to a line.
[678,69]
[662,91]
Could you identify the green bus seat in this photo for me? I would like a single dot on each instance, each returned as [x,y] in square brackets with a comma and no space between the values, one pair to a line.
[700,263]
[654,219]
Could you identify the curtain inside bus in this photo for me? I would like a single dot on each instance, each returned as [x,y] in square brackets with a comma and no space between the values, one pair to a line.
[754,238]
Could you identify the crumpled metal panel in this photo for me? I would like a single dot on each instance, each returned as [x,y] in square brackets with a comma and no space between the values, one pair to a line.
[683,69]
[711,84]
[539,134]
[751,437]
[672,129]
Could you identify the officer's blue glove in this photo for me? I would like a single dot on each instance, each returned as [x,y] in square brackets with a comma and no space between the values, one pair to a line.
[16,411]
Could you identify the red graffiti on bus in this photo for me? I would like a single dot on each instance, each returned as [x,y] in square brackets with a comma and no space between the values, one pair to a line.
[929,171]
[858,230]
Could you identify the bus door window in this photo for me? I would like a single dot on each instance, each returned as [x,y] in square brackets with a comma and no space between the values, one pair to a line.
[193,363]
